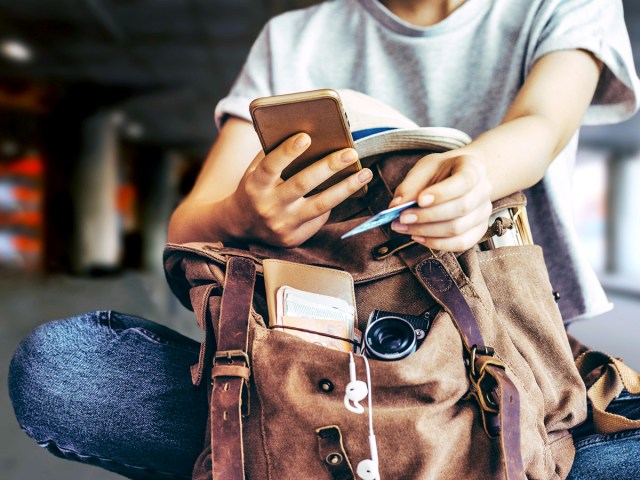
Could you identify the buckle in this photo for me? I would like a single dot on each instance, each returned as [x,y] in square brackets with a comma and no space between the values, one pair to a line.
[483,384]
[234,371]
[475,351]
[232,355]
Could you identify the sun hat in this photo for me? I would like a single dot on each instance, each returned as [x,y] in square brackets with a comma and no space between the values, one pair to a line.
[378,128]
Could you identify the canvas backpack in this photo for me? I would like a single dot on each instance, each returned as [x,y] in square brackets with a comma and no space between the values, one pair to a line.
[491,393]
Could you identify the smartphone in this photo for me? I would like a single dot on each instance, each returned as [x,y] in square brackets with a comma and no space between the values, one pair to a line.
[320,114]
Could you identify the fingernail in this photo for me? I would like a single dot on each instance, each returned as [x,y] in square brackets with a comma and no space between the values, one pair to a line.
[302,141]
[365,175]
[395,201]
[348,156]
[398,227]
[426,200]
[409,218]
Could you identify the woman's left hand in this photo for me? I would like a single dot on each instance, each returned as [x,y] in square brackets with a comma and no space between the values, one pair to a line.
[454,201]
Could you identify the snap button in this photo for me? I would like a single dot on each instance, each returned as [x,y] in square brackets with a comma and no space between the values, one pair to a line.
[334,459]
[325,385]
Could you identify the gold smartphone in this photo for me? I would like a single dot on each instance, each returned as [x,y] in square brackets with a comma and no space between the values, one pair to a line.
[320,114]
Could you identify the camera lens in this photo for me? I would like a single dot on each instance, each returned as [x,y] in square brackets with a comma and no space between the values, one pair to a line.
[390,338]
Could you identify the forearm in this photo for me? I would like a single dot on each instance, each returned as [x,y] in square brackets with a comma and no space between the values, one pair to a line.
[196,221]
[455,189]
[540,122]
[206,214]
[517,153]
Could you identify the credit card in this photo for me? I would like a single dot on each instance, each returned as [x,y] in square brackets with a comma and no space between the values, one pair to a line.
[379,219]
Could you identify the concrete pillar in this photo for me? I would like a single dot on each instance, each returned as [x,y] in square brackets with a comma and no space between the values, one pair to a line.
[98,235]
[160,199]
[623,232]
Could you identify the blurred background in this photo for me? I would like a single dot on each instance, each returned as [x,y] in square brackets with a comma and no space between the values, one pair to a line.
[106,113]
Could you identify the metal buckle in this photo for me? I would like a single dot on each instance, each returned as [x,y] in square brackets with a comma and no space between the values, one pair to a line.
[485,396]
[231,355]
[475,351]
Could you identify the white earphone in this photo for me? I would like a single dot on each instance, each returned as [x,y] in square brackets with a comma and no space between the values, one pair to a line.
[356,391]
[368,469]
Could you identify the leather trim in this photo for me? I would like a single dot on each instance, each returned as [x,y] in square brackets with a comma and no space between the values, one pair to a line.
[433,275]
[230,370]
[332,453]
[504,395]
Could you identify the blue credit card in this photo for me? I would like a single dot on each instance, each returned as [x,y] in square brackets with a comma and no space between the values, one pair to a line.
[382,218]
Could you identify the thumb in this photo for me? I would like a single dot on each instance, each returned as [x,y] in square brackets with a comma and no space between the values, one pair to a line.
[421,175]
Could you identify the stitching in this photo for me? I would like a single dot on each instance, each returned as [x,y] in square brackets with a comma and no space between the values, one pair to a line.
[342,273]
[48,444]
[261,402]
[161,341]
[104,317]
[105,322]
[597,438]
[314,267]
[235,266]
[482,259]
[441,268]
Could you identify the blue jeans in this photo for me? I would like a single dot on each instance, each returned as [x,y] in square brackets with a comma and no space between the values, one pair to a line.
[115,391]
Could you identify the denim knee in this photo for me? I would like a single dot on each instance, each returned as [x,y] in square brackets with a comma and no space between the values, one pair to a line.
[45,370]
[112,390]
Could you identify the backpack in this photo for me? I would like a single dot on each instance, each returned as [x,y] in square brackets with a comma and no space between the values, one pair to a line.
[491,392]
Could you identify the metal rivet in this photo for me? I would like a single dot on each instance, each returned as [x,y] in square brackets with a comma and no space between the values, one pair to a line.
[383,250]
[325,385]
[334,459]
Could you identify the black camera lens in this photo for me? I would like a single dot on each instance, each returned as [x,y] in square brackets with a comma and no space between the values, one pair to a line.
[389,338]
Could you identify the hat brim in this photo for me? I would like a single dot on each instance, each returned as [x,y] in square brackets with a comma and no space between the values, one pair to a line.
[421,138]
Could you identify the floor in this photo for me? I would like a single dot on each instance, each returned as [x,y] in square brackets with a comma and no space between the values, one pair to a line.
[25,302]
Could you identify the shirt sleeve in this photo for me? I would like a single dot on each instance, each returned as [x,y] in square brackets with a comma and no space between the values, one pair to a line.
[254,80]
[596,26]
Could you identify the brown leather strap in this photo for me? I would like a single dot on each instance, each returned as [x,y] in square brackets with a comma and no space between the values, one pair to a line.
[231,371]
[509,407]
[499,397]
[201,301]
[434,276]
[332,453]
[499,400]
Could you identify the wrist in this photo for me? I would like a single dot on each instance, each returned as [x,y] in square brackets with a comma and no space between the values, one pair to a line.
[228,219]
[203,221]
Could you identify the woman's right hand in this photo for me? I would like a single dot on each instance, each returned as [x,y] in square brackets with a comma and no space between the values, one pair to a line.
[264,207]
